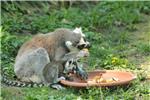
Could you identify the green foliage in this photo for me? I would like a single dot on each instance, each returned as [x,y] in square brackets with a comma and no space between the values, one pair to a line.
[106,25]
[116,93]
[144,48]
[109,13]
[115,62]
[10,45]
[101,15]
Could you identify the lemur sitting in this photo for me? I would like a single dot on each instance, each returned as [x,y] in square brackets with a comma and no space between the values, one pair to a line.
[41,59]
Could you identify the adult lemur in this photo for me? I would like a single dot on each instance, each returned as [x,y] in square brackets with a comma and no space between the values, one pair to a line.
[42,59]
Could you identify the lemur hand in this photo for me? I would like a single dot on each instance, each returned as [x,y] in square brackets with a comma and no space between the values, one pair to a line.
[81,72]
[68,43]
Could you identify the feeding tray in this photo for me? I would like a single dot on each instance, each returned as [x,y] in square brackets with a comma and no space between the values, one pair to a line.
[121,76]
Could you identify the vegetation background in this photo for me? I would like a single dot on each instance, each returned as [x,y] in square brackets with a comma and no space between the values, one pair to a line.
[119,33]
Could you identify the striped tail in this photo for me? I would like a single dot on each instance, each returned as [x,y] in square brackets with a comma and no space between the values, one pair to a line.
[19,83]
[15,83]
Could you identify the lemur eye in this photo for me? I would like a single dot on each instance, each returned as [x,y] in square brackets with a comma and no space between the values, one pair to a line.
[77,42]
[70,62]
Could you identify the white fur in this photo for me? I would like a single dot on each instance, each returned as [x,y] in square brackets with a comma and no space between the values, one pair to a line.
[68,43]
[78,31]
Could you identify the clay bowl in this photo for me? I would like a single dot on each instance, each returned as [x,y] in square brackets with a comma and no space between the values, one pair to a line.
[122,76]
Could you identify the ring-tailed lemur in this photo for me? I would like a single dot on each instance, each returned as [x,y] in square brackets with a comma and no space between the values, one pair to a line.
[42,52]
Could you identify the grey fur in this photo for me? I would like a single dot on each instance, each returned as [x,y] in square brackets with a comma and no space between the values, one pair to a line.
[29,67]
[43,64]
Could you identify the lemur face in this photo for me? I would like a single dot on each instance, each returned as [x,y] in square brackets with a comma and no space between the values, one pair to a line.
[82,43]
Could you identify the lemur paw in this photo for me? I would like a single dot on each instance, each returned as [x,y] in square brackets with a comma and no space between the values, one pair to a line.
[84,76]
[57,87]
[61,78]
[81,72]
[68,43]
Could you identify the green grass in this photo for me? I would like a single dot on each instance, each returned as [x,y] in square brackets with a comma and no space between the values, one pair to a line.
[144,48]
[118,31]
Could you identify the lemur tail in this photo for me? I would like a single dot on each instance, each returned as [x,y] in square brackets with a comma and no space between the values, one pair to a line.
[15,83]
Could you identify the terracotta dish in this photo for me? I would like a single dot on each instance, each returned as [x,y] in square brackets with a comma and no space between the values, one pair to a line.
[121,76]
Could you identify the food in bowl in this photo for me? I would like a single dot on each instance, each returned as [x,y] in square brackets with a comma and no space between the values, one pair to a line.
[100,79]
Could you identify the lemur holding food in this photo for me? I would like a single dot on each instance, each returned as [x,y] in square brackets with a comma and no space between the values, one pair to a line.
[43,59]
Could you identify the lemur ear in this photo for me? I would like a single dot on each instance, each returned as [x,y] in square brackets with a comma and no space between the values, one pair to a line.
[78,31]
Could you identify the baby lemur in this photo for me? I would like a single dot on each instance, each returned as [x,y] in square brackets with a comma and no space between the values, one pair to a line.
[73,64]
[41,60]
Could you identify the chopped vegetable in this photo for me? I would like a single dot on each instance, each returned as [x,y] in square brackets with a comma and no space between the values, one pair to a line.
[100,79]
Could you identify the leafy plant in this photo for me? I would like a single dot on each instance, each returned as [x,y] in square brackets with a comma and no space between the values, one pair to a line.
[144,48]
[10,45]
[106,25]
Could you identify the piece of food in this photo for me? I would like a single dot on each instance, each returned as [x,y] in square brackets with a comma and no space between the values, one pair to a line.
[100,79]
[85,49]
[115,79]
[109,80]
